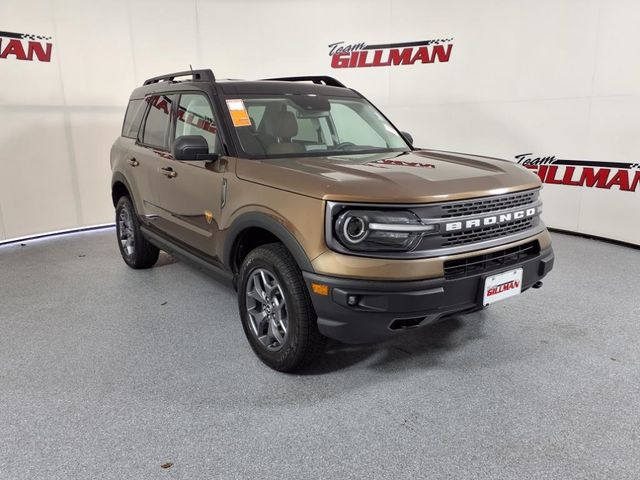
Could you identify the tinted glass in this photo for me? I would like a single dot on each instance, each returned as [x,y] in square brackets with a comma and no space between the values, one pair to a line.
[195,117]
[133,118]
[156,126]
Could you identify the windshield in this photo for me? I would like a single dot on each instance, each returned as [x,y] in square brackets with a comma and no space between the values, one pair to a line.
[303,125]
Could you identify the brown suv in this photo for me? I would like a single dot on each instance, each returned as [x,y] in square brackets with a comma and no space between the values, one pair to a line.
[323,216]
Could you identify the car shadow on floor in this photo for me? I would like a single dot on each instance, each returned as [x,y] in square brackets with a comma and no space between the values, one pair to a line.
[423,346]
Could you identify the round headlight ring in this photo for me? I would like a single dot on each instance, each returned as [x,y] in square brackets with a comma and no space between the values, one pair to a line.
[354,229]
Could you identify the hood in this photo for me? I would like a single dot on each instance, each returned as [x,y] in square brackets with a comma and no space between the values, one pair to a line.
[420,176]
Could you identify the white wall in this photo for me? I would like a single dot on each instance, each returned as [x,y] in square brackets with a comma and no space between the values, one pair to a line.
[551,77]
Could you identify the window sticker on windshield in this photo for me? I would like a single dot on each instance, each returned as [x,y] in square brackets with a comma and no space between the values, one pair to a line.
[239,114]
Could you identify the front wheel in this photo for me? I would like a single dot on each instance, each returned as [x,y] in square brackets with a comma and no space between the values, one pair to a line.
[276,311]
[136,251]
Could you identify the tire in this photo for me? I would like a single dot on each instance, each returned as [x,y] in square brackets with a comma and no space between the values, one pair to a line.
[272,271]
[136,251]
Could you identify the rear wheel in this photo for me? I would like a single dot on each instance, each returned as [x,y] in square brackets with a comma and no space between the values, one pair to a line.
[136,251]
[276,311]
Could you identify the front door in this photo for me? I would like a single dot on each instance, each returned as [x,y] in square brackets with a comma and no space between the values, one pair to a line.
[189,193]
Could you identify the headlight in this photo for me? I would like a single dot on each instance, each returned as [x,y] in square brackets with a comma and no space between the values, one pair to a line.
[380,230]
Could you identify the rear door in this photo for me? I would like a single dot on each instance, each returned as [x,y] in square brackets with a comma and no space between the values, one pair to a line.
[136,166]
[190,193]
[152,145]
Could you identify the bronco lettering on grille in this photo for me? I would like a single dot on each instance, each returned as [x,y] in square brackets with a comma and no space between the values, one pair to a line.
[490,220]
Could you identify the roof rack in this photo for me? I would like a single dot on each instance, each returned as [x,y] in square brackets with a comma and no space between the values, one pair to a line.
[318,79]
[196,75]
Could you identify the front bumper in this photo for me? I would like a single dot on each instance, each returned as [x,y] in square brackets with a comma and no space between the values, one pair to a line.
[385,308]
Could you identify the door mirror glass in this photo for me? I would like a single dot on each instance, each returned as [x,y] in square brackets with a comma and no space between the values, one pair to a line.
[407,136]
[192,147]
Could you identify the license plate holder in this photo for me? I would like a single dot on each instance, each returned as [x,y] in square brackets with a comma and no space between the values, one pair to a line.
[503,285]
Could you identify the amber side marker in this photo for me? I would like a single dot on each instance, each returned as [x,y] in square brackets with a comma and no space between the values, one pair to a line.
[320,289]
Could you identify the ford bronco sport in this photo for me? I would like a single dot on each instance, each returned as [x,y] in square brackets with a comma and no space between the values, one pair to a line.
[324,216]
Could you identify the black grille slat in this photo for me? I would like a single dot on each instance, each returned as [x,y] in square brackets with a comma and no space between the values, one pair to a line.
[486,233]
[490,261]
[460,209]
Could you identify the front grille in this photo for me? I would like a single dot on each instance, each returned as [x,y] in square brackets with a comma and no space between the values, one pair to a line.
[477,264]
[461,216]
[486,233]
[461,209]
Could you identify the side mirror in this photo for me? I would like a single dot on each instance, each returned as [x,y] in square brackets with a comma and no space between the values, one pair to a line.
[192,147]
[407,136]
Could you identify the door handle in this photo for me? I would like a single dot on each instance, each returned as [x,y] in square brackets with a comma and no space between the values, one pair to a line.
[133,162]
[168,172]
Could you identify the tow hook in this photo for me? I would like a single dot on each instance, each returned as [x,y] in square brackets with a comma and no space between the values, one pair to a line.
[538,284]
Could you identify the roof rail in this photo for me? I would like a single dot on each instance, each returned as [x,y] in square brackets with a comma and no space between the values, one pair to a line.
[196,75]
[318,79]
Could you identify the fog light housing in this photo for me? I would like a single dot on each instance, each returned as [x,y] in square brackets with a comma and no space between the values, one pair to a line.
[352,300]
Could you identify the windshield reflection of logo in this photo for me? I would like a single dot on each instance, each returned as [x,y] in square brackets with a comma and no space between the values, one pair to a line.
[24,46]
[398,163]
[583,173]
[359,55]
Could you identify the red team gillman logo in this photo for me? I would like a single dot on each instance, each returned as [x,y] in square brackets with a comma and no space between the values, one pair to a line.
[623,176]
[358,55]
[25,46]
[510,285]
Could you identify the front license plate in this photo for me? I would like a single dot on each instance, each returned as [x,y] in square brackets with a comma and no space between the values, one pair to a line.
[502,285]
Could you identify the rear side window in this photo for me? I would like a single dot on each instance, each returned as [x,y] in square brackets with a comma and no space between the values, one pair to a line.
[133,118]
[156,126]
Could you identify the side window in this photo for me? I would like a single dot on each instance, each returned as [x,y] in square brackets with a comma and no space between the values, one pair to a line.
[195,117]
[351,127]
[133,118]
[156,126]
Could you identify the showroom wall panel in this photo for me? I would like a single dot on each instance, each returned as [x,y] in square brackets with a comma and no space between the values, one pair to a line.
[558,80]
[92,133]
[37,190]
[165,27]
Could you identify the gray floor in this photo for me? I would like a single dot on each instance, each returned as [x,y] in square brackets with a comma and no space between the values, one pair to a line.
[109,373]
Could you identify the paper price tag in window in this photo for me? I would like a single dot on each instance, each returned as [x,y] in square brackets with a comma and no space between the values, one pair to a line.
[239,115]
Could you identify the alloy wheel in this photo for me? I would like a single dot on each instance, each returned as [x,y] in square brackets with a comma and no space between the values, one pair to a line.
[266,309]
[125,231]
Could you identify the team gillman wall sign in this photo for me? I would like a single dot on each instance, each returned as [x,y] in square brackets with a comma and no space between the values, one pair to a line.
[583,173]
[25,46]
[358,55]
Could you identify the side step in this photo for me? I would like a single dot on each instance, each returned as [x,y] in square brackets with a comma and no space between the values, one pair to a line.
[212,269]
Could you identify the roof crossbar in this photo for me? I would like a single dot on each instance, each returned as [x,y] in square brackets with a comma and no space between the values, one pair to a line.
[196,75]
[317,79]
